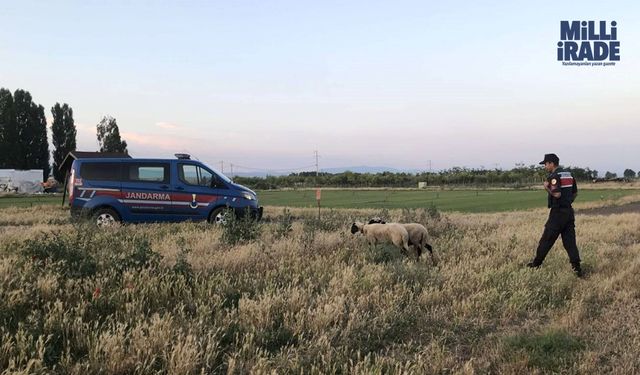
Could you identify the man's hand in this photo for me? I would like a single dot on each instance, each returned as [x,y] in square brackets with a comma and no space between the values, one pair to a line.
[546,185]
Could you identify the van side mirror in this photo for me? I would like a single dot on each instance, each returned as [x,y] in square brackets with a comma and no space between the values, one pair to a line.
[215,183]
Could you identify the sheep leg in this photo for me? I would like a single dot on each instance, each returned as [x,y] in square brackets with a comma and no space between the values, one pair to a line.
[405,248]
[401,244]
[419,247]
[433,258]
[372,244]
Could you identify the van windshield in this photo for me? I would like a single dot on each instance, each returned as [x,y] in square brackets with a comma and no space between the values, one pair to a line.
[221,175]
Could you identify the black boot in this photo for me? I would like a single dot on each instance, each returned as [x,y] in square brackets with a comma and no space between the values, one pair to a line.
[577,269]
[533,264]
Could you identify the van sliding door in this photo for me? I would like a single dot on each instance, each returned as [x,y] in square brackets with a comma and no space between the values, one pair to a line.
[145,190]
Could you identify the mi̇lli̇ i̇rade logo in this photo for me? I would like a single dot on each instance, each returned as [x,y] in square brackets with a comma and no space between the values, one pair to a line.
[587,43]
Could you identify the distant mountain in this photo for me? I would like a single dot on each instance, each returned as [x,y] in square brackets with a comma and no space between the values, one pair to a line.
[366,169]
[355,169]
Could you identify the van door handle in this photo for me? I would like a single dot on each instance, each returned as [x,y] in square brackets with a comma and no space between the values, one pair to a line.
[179,188]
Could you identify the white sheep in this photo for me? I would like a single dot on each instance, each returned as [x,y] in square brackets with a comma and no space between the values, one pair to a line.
[418,236]
[375,233]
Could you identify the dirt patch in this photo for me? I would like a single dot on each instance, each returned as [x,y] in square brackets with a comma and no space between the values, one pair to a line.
[611,210]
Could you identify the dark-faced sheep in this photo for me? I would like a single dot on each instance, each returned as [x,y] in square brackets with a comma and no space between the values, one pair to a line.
[418,236]
[376,233]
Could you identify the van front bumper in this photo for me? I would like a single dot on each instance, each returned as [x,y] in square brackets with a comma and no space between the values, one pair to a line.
[259,213]
[254,212]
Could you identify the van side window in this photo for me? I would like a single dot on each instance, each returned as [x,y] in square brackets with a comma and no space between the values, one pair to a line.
[147,172]
[196,175]
[100,171]
[189,174]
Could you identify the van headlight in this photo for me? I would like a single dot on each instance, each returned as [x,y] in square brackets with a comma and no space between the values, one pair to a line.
[248,196]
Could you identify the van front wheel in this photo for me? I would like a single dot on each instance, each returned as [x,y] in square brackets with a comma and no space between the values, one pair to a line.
[219,215]
[105,217]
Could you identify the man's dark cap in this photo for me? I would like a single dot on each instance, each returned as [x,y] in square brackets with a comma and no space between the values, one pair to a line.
[553,158]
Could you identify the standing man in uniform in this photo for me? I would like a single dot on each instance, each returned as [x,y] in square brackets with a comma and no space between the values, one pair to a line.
[562,190]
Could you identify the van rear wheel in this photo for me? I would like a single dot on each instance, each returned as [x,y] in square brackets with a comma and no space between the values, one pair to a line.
[105,217]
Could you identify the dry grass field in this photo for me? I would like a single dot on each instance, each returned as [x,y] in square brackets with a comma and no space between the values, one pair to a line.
[306,296]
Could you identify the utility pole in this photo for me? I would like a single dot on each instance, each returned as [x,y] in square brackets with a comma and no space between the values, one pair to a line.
[429,166]
[222,166]
[231,170]
[317,169]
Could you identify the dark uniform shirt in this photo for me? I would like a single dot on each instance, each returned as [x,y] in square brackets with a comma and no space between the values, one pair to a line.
[564,183]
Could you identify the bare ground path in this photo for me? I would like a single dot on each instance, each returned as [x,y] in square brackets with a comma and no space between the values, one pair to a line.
[633,207]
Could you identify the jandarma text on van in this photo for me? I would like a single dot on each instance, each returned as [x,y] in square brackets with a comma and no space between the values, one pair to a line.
[151,196]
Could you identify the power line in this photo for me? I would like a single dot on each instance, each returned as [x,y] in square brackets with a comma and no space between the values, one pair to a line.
[272,169]
[239,166]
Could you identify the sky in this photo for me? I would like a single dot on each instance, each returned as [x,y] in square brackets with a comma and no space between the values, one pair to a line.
[263,84]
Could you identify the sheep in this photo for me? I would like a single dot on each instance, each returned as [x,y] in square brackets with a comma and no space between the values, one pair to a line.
[418,236]
[375,233]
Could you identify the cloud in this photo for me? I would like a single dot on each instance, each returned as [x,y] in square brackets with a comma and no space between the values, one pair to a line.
[167,125]
[155,140]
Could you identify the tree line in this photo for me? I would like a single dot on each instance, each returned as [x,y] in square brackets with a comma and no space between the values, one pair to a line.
[24,142]
[520,176]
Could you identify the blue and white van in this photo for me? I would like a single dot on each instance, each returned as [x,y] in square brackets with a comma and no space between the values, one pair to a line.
[155,190]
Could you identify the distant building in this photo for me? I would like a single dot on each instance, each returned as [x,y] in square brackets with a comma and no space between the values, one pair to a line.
[21,181]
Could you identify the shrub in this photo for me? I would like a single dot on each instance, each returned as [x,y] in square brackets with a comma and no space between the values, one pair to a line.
[135,254]
[433,212]
[66,252]
[83,253]
[329,221]
[182,266]
[239,229]
[284,224]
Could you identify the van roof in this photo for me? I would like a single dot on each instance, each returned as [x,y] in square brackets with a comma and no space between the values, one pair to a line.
[111,160]
[75,155]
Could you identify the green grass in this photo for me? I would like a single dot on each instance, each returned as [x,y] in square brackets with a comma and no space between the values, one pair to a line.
[447,200]
[29,200]
[455,200]
[551,350]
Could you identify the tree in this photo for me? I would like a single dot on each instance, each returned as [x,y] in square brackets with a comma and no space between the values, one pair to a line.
[39,150]
[23,133]
[32,144]
[109,136]
[24,137]
[629,173]
[64,133]
[610,175]
[8,130]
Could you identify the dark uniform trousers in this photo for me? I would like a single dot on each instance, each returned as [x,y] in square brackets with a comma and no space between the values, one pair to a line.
[561,222]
